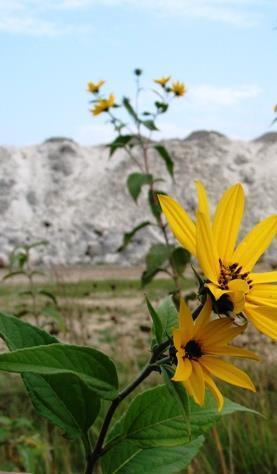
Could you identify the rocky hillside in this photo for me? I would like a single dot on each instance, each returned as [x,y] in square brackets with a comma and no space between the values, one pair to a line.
[76,198]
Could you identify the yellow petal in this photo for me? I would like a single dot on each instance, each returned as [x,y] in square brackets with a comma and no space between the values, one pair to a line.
[227,372]
[215,290]
[263,295]
[269,277]
[215,391]
[179,339]
[231,351]
[264,318]
[205,247]
[204,317]
[197,382]
[255,243]
[237,291]
[227,221]
[185,320]
[179,222]
[215,329]
[221,336]
[183,369]
[203,204]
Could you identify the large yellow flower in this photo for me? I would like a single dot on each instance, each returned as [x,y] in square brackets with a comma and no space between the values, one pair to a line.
[102,105]
[163,80]
[178,88]
[228,268]
[94,87]
[198,345]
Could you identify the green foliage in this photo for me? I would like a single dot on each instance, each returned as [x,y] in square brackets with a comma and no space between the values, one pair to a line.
[168,315]
[157,325]
[149,124]
[156,261]
[127,104]
[153,433]
[65,400]
[127,237]
[90,365]
[180,257]
[120,142]
[135,182]
[164,154]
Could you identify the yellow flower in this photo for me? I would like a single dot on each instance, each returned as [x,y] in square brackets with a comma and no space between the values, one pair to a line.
[275,108]
[163,80]
[94,87]
[102,105]
[198,344]
[178,88]
[227,267]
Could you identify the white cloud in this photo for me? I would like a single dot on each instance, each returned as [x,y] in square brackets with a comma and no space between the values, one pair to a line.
[209,95]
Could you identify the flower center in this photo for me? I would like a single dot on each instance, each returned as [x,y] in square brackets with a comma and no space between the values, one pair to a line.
[231,272]
[193,350]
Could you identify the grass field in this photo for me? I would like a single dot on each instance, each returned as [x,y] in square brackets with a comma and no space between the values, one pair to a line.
[110,314]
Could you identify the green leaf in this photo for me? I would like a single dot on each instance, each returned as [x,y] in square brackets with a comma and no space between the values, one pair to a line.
[177,390]
[49,295]
[161,106]
[132,459]
[13,274]
[90,365]
[135,182]
[166,157]
[127,237]
[155,260]
[120,142]
[168,315]
[53,313]
[157,325]
[63,399]
[129,108]
[154,423]
[18,334]
[150,124]
[154,203]
[180,258]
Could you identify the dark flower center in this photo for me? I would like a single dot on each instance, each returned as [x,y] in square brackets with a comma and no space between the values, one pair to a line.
[231,272]
[193,350]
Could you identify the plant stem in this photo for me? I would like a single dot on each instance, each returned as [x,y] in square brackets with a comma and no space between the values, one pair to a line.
[150,367]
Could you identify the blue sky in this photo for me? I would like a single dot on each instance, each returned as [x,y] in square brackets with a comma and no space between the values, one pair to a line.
[224,50]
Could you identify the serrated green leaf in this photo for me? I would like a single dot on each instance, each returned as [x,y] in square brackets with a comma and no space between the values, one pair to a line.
[157,325]
[135,182]
[154,423]
[49,295]
[180,258]
[135,460]
[90,365]
[127,237]
[65,400]
[164,154]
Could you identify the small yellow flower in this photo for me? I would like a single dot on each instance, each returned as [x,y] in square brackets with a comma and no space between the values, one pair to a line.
[229,267]
[178,88]
[163,80]
[198,344]
[94,87]
[103,105]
